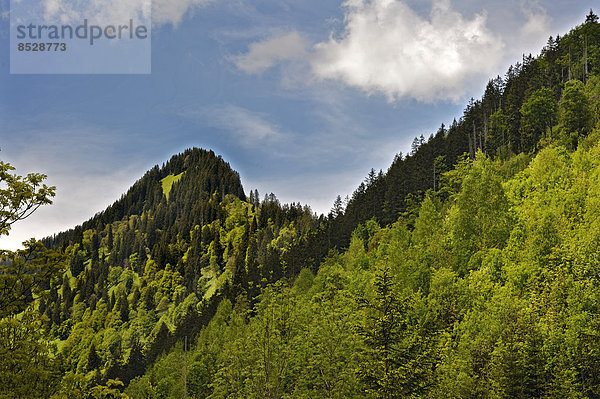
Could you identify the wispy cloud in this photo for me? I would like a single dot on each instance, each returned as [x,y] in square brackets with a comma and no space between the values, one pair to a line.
[263,55]
[536,28]
[249,128]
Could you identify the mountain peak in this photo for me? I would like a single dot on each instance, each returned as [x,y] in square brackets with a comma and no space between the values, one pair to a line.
[181,185]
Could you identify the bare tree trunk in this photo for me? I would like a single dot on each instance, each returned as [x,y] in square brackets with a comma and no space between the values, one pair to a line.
[585,57]
[569,62]
[485,133]
[471,152]
[474,140]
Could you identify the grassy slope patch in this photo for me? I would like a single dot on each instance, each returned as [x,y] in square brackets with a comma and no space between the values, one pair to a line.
[168,181]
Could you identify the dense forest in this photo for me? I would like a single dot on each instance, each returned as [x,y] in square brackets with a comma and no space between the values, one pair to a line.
[469,269]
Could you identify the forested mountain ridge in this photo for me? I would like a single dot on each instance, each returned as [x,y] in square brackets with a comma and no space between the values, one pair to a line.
[449,275]
[153,266]
[197,172]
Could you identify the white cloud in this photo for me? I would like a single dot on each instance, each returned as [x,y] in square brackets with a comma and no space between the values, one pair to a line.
[102,12]
[114,11]
[265,54]
[388,48]
[248,128]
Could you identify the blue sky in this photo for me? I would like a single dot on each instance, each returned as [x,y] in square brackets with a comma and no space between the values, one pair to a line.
[301,97]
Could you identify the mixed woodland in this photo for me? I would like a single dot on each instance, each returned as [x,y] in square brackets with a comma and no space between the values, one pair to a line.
[469,269]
